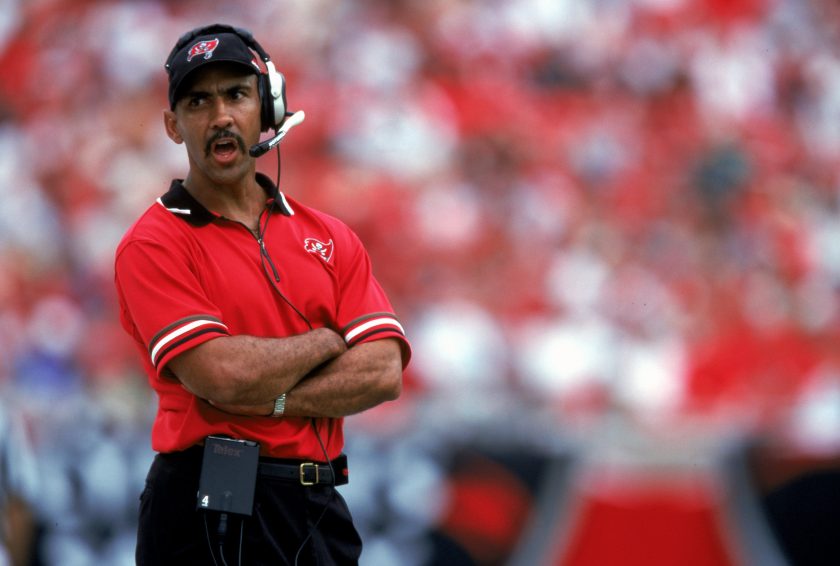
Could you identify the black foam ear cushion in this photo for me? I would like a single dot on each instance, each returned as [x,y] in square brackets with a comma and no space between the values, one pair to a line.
[266,106]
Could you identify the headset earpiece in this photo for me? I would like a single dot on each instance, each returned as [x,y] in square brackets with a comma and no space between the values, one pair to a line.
[273,97]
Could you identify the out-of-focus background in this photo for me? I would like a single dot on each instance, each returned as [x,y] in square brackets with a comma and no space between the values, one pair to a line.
[611,229]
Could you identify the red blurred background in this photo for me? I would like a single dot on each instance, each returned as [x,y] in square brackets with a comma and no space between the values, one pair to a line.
[611,229]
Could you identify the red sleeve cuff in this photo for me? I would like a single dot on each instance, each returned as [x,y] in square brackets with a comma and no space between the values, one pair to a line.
[182,335]
[377,326]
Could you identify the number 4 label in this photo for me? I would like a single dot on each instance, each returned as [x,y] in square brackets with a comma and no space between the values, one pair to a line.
[205,501]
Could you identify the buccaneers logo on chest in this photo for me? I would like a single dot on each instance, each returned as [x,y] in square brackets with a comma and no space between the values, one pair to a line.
[319,248]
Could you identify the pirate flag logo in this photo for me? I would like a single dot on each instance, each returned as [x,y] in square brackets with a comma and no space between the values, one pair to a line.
[205,48]
[319,248]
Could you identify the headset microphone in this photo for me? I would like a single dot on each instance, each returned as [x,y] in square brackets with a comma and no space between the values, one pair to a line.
[262,147]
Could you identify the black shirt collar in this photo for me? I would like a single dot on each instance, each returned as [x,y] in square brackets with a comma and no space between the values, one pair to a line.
[178,200]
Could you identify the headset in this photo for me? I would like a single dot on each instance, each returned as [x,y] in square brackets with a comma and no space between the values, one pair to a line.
[271,84]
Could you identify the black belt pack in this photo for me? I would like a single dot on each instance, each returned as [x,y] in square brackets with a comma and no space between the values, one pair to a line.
[228,475]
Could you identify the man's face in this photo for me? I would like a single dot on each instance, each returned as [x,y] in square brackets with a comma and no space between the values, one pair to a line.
[218,118]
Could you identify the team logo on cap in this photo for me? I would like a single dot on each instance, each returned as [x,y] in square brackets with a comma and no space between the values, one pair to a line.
[205,48]
[319,248]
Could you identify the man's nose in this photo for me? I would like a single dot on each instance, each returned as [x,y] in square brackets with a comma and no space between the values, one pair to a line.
[221,116]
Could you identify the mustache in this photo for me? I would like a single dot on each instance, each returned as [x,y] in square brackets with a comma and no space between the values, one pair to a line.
[224,134]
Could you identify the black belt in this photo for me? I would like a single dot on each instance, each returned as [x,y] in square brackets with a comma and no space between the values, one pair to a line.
[307,473]
[301,472]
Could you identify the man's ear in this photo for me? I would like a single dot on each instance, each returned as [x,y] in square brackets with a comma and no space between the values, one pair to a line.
[170,122]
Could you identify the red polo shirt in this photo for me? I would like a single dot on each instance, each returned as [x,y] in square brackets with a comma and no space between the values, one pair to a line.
[186,275]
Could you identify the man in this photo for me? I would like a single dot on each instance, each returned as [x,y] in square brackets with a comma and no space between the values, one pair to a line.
[258,319]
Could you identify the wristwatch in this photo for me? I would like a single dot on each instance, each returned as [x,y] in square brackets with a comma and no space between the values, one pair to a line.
[279,406]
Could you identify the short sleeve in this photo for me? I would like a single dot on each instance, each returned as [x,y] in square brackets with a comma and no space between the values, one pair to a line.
[162,301]
[364,311]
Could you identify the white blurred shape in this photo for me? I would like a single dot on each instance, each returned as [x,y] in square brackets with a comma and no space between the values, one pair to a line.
[401,136]
[576,280]
[559,357]
[815,423]
[104,477]
[733,77]
[130,37]
[379,59]
[650,376]
[459,346]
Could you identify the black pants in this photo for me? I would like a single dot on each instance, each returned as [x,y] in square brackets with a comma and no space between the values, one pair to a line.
[282,530]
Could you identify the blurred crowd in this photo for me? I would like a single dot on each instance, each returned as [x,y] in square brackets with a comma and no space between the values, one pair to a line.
[581,210]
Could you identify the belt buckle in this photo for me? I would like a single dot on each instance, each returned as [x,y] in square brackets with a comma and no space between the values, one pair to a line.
[303,467]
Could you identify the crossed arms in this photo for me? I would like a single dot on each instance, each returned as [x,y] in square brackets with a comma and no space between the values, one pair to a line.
[319,374]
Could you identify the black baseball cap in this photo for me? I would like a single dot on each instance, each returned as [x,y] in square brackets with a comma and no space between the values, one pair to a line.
[203,50]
